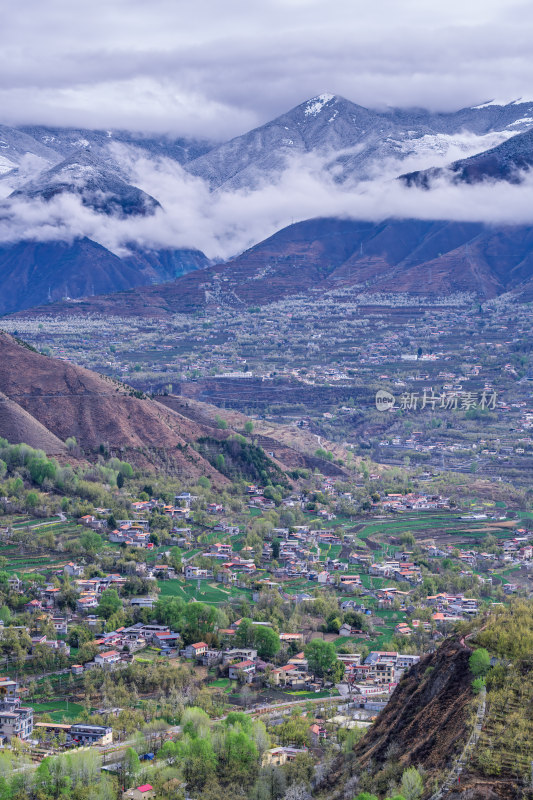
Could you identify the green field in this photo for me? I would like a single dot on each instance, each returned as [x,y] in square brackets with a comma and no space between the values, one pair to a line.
[448,523]
[313,695]
[58,710]
[222,683]
[208,592]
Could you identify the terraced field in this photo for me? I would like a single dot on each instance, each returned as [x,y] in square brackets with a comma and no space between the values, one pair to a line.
[444,528]
[210,593]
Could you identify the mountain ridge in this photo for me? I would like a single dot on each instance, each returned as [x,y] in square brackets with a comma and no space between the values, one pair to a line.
[334,126]
[324,255]
[345,142]
[509,161]
[31,272]
[66,400]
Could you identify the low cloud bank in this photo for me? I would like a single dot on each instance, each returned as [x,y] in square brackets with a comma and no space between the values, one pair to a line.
[226,222]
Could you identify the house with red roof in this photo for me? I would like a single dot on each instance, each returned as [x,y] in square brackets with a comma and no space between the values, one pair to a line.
[144,792]
[108,658]
[244,669]
[196,650]
[317,733]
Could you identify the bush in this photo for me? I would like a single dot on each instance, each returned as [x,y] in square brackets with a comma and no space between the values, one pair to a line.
[479,662]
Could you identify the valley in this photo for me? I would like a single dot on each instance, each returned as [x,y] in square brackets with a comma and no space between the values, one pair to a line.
[265,475]
[460,372]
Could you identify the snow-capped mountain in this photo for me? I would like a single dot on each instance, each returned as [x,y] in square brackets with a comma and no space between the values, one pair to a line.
[351,141]
[98,184]
[508,161]
[29,150]
[356,142]
[327,135]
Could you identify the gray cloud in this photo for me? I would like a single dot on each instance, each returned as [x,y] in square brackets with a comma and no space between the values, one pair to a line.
[215,69]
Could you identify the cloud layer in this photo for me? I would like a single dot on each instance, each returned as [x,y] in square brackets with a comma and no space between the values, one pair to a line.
[215,69]
[224,223]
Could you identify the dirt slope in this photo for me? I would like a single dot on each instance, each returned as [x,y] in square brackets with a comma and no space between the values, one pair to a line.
[291,447]
[71,401]
[425,723]
[16,425]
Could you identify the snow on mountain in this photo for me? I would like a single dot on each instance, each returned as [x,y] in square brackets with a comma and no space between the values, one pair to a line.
[356,143]
[6,165]
[100,186]
[337,142]
[21,158]
[517,102]
[65,141]
[508,161]
[316,105]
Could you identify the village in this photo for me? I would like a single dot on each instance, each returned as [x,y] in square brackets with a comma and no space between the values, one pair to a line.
[376,592]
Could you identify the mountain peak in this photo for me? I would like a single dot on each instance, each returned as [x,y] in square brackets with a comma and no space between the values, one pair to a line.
[315,105]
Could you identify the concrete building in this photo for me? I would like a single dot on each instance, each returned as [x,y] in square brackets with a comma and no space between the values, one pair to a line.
[81,733]
[15,720]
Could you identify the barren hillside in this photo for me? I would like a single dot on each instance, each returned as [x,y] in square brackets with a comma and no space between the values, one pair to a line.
[52,400]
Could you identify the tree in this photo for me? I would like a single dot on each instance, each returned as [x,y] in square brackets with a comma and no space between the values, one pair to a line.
[266,641]
[337,673]
[238,756]
[169,751]
[479,662]
[91,541]
[199,621]
[300,771]
[245,633]
[175,558]
[120,480]
[248,427]
[321,657]
[412,784]
[131,765]
[298,791]
[87,652]
[109,604]
[294,731]
[198,761]
[32,500]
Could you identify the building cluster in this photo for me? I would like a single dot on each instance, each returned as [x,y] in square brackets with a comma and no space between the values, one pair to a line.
[379,672]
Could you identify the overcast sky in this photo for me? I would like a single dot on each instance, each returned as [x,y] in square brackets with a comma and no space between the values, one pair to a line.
[215,68]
